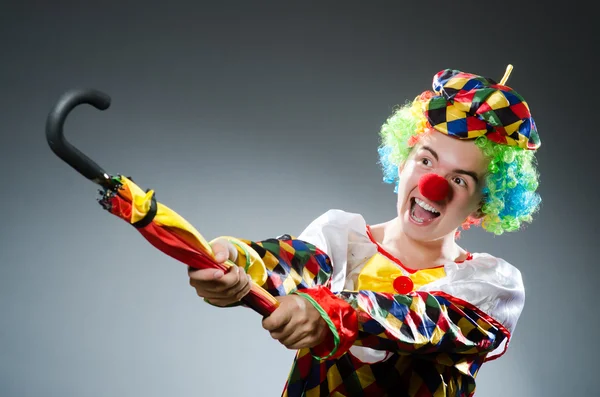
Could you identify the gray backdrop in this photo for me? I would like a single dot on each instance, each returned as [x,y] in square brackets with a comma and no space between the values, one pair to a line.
[251,119]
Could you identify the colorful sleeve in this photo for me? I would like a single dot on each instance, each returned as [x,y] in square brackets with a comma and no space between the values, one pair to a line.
[317,257]
[282,265]
[416,323]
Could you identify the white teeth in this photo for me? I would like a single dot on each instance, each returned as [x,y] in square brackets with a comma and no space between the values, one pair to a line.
[426,206]
[416,218]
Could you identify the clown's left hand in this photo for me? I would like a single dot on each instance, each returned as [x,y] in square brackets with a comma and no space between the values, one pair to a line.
[296,323]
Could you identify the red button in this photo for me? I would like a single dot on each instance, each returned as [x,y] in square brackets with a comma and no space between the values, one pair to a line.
[403,285]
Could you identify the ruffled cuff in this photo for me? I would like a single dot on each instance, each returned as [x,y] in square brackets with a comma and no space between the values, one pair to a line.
[248,259]
[340,317]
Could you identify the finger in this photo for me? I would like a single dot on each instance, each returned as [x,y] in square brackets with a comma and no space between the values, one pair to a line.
[232,294]
[248,288]
[303,343]
[283,333]
[242,283]
[205,274]
[230,280]
[244,291]
[223,250]
[277,319]
[296,338]
[207,280]
[302,338]
[205,283]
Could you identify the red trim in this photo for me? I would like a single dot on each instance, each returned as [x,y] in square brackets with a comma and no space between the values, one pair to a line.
[483,315]
[342,315]
[391,257]
[492,358]
[469,257]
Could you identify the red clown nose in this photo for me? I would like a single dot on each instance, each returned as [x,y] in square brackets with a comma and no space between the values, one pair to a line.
[433,187]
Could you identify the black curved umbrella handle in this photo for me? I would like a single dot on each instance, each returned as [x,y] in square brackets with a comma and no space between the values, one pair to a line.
[61,147]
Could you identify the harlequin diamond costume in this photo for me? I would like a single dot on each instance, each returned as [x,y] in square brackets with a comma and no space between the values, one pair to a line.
[394,330]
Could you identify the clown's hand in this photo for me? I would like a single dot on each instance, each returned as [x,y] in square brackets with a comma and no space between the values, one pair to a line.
[219,288]
[296,323]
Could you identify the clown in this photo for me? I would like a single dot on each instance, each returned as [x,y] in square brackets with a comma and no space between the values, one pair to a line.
[399,308]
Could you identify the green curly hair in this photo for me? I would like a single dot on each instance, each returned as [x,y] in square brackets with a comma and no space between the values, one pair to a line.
[510,197]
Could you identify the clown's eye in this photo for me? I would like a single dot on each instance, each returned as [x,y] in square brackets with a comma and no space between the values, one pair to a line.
[426,161]
[460,181]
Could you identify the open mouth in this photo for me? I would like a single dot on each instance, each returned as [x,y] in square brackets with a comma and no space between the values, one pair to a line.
[421,212]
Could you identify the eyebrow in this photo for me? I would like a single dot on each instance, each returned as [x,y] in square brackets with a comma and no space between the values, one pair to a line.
[433,152]
[469,173]
[458,171]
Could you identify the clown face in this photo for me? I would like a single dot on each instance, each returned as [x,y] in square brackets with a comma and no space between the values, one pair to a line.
[440,186]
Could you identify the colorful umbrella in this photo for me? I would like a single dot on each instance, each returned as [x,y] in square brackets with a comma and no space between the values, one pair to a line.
[161,226]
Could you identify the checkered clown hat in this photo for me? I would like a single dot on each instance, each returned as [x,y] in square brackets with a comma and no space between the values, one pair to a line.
[467,106]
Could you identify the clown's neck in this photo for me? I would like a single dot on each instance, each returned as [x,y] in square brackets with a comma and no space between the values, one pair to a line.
[416,254]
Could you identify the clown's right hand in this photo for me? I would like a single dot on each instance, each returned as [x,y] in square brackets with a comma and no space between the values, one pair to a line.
[217,287]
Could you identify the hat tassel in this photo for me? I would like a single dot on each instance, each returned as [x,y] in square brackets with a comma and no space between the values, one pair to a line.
[509,69]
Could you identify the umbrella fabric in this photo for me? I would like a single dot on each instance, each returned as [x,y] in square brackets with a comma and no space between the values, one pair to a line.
[172,234]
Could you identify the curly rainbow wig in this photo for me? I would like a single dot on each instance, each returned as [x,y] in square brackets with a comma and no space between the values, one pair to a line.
[510,197]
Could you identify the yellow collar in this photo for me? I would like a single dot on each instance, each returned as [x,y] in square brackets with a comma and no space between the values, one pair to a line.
[385,273]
